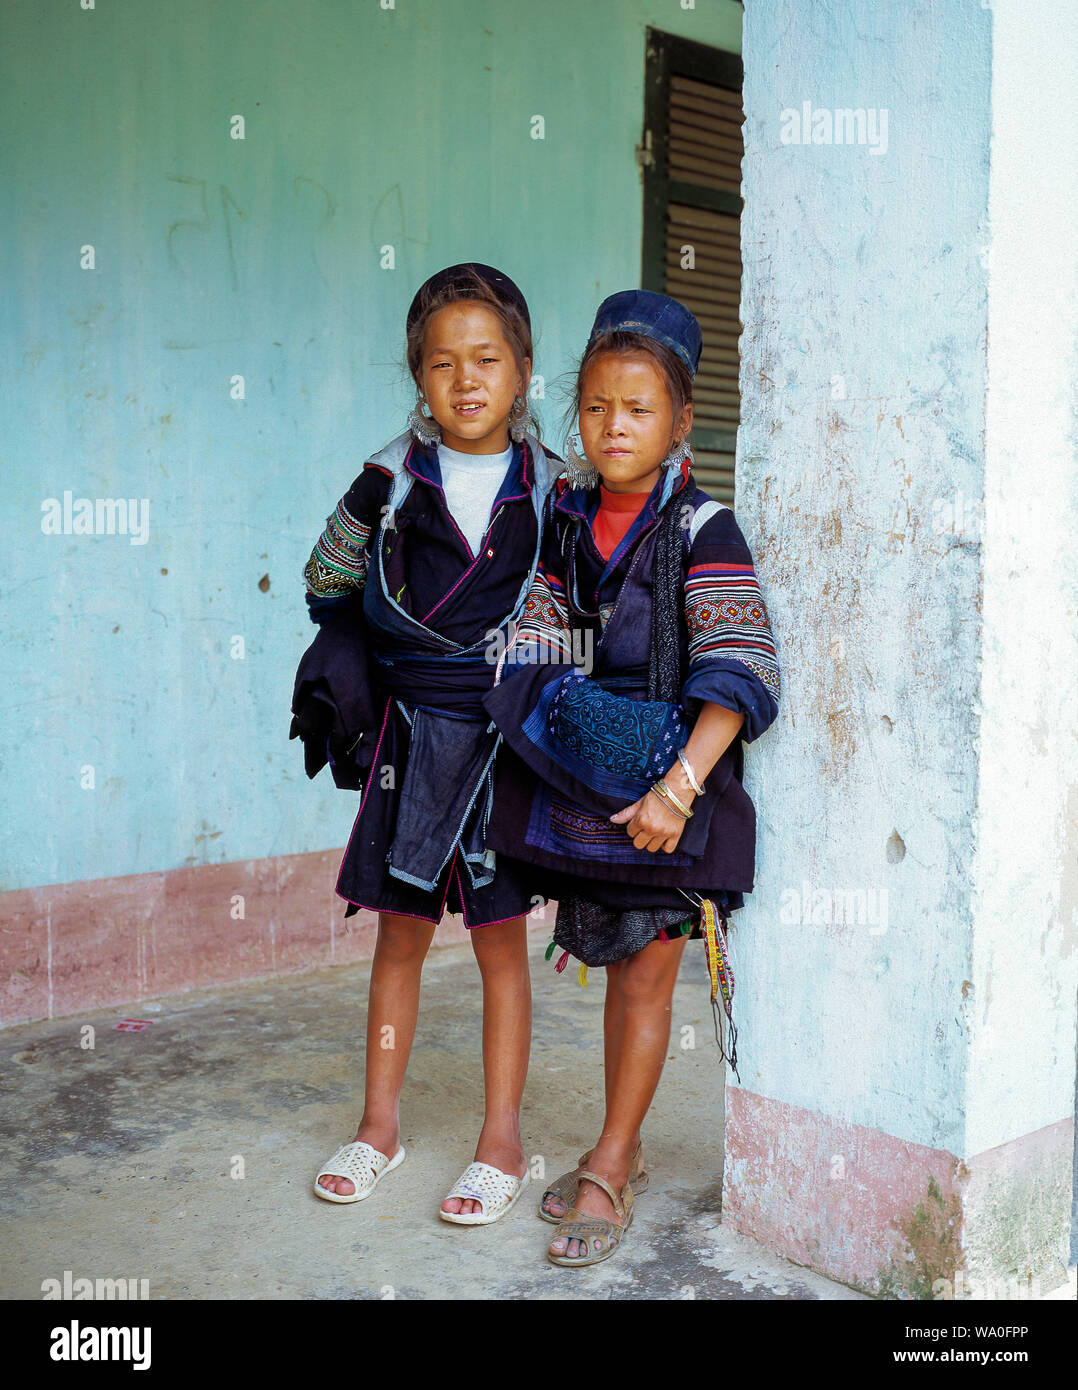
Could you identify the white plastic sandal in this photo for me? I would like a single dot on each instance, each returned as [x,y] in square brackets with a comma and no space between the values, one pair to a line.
[362,1165]
[495,1191]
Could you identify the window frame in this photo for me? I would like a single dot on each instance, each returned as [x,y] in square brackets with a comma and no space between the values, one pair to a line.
[666,56]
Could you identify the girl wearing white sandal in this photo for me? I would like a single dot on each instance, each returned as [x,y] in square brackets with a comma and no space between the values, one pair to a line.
[432,548]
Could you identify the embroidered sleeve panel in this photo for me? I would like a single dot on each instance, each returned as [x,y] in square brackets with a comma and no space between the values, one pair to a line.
[543,631]
[728,624]
[337,568]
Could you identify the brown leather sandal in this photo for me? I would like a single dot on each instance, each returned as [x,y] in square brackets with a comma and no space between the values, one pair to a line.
[565,1187]
[589,1229]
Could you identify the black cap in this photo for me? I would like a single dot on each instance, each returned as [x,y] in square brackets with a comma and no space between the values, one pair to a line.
[463,276]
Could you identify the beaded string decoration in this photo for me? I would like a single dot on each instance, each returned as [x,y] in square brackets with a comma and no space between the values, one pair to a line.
[722,977]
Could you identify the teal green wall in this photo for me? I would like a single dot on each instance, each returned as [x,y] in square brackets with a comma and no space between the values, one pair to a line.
[217,257]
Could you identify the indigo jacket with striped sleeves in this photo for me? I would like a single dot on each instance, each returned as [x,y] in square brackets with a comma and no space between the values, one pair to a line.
[394,680]
[549,817]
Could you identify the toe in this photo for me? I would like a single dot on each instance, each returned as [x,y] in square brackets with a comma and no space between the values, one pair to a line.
[341,1186]
[557,1245]
[554,1206]
[452,1205]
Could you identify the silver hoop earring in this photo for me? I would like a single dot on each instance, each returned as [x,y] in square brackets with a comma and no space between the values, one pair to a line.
[677,455]
[578,470]
[520,419]
[426,430]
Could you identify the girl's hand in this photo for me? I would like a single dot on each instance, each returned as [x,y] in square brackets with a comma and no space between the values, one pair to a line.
[651,823]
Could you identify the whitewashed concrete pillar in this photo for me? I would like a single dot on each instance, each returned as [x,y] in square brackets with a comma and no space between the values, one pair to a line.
[906,982]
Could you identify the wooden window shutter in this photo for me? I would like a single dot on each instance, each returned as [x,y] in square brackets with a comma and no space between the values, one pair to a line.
[691,155]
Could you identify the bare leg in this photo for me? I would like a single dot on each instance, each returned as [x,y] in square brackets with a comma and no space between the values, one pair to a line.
[392,1009]
[501,951]
[613,1030]
[645,987]
[613,1020]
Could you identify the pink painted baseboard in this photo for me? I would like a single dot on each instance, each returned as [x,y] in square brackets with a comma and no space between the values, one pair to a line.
[893,1218]
[69,947]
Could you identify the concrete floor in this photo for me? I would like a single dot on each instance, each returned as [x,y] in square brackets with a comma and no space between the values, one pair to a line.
[118,1159]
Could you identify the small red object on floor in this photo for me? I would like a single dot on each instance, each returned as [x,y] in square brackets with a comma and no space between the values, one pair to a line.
[132,1025]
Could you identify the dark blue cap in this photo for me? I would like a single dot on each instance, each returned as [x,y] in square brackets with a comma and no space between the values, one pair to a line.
[655,316]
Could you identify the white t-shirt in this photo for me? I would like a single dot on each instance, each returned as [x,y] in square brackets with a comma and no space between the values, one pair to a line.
[471,482]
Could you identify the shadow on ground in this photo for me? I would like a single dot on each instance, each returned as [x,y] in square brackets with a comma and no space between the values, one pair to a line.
[120,1158]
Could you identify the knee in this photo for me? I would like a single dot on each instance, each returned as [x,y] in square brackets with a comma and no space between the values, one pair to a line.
[644,981]
[500,944]
[404,940]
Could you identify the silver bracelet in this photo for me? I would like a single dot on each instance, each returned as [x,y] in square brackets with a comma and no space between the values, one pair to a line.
[663,792]
[697,788]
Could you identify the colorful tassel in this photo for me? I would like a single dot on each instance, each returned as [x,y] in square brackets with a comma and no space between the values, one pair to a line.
[582,976]
[707,921]
[722,977]
[563,961]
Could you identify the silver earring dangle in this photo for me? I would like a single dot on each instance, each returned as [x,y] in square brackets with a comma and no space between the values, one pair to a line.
[677,455]
[578,470]
[520,419]
[426,430]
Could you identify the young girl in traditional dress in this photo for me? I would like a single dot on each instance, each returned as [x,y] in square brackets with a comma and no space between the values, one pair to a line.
[622,775]
[431,550]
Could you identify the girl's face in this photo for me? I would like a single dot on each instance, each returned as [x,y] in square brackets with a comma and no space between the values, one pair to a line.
[470,377]
[626,420]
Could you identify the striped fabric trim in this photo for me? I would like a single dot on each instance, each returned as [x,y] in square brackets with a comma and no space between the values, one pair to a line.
[727,617]
[338,563]
[544,622]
